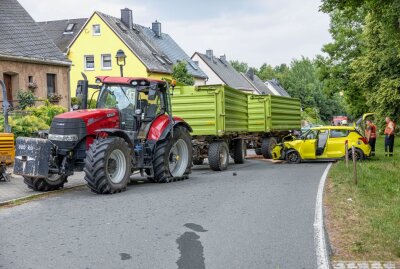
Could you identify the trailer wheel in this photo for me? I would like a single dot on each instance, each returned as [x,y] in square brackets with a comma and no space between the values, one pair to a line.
[53,182]
[293,156]
[267,145]
[198,161]
[108,165]
[239,151]
[173,157]
[218,156]
[258,151]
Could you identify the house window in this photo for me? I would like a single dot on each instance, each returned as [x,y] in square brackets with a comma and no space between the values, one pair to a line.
[89,62]
[51,84]
[106,61]
[30,79]
[96,29]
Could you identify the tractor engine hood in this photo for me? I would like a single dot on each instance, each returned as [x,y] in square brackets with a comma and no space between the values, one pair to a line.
[88,114]
[68,129]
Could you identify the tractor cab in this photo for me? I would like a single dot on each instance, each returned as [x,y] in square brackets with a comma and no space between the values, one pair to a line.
[139,101]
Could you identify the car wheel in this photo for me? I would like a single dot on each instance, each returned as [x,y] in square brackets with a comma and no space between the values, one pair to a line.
[292,156]
[359,154]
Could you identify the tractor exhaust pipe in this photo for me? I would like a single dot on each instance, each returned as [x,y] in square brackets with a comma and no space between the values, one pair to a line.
[82,91]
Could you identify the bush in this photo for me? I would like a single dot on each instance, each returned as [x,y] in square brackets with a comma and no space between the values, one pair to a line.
[26,99]
[27,125]
[47,111]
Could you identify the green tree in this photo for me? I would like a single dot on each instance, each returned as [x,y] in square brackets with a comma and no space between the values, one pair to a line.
[181,74]
[335,70]
[239,66]
[374,71]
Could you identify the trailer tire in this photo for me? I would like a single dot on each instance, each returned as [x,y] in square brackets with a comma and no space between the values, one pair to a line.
[258,151]
[198,161]
[268,143]
[239,151]
[218,155]
[108,165]
[45,184]
[173,153]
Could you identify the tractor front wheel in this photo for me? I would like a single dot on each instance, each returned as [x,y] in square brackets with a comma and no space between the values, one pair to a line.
[108,165]
[173,157]
[51,183]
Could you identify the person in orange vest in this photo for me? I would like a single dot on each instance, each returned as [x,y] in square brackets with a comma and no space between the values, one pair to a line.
[389,137]
[371,135]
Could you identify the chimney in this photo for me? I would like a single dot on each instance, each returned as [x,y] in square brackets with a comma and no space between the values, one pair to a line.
[126,18]
[156,27]
[250,73]
[209,54]
[223,58]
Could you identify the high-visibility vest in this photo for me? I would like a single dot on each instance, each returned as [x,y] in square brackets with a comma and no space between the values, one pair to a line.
[372,130]
[389,131]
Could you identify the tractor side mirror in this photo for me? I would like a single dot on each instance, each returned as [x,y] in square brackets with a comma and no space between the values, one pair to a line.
[152,94]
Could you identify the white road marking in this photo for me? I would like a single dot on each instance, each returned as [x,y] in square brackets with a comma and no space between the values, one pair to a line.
[319,233]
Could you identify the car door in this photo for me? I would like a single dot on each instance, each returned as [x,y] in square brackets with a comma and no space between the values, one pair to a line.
[336,143]
[308,147]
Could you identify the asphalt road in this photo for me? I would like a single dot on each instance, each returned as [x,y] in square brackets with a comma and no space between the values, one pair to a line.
[255,215]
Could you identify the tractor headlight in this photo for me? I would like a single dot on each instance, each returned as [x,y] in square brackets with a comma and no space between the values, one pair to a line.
[65,138]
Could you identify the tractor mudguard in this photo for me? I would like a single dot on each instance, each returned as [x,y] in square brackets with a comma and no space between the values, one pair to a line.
[32,157]
[128,136]
[161,127]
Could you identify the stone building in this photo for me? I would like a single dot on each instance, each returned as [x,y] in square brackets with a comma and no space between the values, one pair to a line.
[29,59]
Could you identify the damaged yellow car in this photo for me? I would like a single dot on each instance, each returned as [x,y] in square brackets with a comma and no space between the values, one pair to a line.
[322,143]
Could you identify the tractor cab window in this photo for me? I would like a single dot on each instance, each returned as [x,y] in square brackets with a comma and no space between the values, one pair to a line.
[150,107]
[123,98]
[117,96]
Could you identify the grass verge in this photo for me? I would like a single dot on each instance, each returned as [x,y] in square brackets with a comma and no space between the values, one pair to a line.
[363,221]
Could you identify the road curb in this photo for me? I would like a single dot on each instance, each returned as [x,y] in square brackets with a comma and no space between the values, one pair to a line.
[320,241]
[38,195]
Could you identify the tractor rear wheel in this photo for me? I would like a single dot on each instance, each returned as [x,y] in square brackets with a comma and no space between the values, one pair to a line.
[267,145]
[51,183]
[173,157]
[218,156]
[239,151]
[108,165]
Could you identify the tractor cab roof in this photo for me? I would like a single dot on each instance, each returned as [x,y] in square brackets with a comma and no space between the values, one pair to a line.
[140,81]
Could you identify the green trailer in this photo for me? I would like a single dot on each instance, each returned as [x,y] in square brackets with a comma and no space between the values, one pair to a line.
[226,121]
[270,119]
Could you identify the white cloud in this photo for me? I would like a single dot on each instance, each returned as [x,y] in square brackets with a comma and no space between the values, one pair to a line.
[275,32]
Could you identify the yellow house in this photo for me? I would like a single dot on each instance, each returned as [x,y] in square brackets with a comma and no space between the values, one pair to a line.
[92,46]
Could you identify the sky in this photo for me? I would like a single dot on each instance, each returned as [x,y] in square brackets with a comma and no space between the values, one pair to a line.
[252,31]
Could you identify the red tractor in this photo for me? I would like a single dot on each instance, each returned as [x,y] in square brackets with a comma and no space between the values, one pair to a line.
[131,129]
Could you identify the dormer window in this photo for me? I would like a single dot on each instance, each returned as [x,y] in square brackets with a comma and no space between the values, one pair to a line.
[96,29]
[70,28]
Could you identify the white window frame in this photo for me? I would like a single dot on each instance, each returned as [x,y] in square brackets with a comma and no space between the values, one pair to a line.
[102,62]
[94,33]
[85,62]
